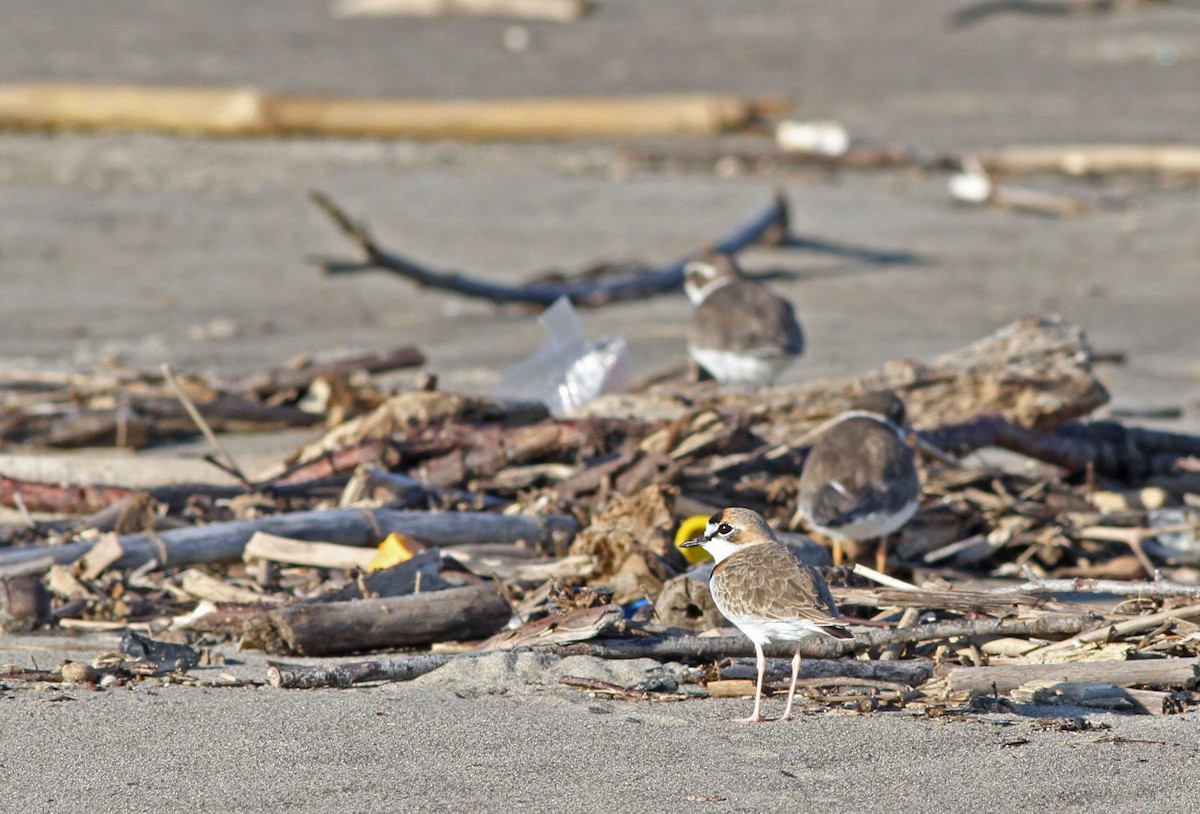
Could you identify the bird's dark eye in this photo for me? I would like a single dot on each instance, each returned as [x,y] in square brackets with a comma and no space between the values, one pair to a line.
[724,528]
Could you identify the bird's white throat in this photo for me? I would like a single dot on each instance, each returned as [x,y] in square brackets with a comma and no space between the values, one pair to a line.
[720,549]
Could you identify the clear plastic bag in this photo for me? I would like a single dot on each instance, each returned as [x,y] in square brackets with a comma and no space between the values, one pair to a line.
[568,370]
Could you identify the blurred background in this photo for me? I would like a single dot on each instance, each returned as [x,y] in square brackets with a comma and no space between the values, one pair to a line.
[131,247]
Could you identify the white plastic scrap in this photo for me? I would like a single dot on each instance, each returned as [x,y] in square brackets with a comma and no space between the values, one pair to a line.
[567,371]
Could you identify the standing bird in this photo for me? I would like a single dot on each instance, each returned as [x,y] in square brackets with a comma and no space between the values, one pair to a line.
[859,481]
[765,590]
[741,333]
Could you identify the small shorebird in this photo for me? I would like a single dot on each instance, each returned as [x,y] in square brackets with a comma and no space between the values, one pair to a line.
[859,481]
[765,590]
[742,334]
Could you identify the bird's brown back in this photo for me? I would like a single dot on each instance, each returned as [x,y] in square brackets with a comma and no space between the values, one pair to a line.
[768,581]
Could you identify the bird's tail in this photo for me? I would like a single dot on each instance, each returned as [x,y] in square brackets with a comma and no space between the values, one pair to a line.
[837,631]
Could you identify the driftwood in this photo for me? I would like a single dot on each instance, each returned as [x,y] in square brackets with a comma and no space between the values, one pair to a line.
[421,573]
[556,10]
[1095,159]
[575,625]
[224,542]
[306,676]
[1004,678]
[131,410]
[978,11]
[273,548]
[770,224]
[1034,372]
[326,629]
[1159,589]
[1111,449]
[912,672]
[1098,696]
[708,648]
[247,111]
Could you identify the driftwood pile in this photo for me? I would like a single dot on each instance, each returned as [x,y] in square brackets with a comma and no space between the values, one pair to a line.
[1065,573]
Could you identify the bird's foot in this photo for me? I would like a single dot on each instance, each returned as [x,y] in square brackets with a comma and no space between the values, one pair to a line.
[757,718]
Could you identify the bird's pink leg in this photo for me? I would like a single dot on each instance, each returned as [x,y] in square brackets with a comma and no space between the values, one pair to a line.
[787,711]
[756,716]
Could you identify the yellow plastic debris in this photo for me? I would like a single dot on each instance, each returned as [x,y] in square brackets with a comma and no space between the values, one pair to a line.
[395,549]
[689,529]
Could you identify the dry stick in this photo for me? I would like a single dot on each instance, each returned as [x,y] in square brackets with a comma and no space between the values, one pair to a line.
[1156,589]
[229,464]
[883,579]
[772,222]
[1119,629]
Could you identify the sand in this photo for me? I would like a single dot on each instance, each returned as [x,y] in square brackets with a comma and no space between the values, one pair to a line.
[141,248]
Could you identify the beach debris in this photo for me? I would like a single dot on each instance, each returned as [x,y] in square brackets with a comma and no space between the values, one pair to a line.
[568,371]
[973,185]
[822,138]
[163,657]
[131,409]
[525,533]
[332,628]
[253,112]
[561,11]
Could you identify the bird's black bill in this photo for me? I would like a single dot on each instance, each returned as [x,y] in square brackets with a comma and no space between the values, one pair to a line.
[698,541]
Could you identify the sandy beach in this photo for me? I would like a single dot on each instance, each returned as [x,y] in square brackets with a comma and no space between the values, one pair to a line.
[143,248]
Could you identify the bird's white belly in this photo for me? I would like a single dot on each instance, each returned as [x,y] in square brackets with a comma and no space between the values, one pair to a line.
[869,526]
[739,368]
[767,631]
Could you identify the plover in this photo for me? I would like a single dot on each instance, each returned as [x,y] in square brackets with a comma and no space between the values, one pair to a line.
[766,591]
[859,481]
[741,333]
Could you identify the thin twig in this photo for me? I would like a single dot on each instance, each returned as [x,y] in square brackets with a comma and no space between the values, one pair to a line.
[229,464]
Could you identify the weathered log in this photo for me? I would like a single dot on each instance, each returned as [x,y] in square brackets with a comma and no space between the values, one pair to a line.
[222,542]
[1096,695]
[1004,678]
[326,629]
[1111,449]
[310,676]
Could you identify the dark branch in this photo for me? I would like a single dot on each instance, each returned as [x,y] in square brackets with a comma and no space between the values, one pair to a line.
[768,225]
